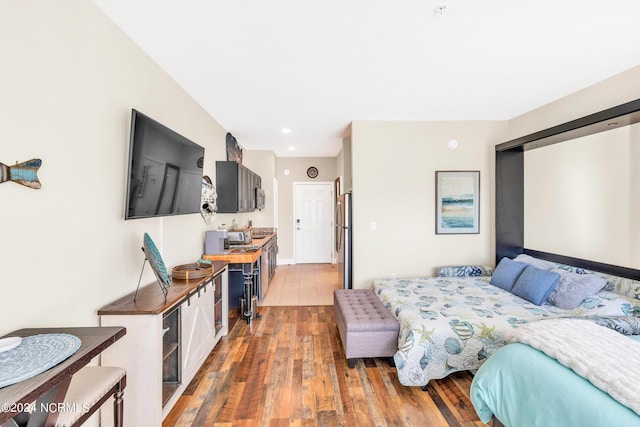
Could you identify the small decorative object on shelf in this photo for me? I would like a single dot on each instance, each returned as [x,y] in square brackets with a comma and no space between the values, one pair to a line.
[192,271]
[157,265]
[24,173]
[312,172]
[234,152]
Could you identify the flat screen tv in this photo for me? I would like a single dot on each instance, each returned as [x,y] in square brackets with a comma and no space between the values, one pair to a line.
[165,171]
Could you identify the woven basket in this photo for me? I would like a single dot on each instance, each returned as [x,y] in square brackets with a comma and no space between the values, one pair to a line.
[191,271]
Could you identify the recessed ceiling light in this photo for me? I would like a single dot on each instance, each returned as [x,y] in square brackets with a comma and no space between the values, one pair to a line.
[286,130]
[292,148]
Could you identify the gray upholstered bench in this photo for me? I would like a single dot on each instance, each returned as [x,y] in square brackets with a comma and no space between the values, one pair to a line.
[367,328]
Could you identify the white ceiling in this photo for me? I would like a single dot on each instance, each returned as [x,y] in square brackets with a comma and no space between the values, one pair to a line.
[315,66]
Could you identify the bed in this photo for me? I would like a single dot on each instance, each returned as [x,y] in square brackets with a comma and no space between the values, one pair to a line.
[458,319]
[565,372]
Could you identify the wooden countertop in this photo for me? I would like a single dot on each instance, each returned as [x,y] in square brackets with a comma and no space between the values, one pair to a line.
[242,257]
[150,299]
[232,258]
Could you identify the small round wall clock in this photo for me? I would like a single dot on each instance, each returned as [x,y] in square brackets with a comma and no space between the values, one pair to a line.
[312,172]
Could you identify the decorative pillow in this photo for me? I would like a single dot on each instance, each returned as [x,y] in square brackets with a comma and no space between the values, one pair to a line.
[573,288]
[464,271]
[626,325]
[535,284]
[536,262]
[506,273]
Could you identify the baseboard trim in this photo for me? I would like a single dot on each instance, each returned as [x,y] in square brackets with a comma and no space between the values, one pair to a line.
[291,261]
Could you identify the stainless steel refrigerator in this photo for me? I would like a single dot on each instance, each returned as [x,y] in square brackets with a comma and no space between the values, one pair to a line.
[344,232]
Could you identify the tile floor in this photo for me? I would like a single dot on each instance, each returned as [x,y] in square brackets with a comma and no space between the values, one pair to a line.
[302,284]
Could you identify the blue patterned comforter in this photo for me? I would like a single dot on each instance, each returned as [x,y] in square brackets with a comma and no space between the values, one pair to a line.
[450,324]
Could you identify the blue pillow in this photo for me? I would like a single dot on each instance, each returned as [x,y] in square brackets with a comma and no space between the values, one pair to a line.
[506,273]
[535,285]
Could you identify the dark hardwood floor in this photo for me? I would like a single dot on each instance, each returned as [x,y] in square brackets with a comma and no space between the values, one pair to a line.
[288,369]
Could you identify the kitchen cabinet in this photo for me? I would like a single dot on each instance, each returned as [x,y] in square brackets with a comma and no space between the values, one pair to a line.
[201,321]
[272,255]
[236,187]
[268,261]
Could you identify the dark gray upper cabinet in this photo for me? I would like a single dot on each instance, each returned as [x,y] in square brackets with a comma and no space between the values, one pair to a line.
[236,187]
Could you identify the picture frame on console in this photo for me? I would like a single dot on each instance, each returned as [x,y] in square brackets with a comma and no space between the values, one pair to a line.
[457,202]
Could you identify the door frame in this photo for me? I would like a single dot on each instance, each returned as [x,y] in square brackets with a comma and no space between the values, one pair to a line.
[330,184]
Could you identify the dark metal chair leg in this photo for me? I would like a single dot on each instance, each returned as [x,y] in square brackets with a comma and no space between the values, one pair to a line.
[118,406]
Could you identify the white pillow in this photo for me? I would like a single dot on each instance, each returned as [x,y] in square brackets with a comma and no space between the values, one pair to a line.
[536,262]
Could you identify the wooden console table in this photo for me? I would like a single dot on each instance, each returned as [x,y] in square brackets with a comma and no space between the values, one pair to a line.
[50,386]
[167,341]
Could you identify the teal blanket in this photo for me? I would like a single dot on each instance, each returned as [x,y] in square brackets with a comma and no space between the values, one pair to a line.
[523,387]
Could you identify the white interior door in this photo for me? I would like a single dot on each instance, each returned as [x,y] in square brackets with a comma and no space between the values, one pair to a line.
[313,222]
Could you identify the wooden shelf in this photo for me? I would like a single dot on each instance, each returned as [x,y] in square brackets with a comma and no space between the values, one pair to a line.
[168,348]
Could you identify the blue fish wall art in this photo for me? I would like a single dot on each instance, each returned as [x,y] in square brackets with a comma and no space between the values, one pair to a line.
[24,173]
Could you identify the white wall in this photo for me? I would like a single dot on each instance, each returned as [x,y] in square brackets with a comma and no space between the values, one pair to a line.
[616,90]
[578,198]
[394,165]
[69,78]
[634,195]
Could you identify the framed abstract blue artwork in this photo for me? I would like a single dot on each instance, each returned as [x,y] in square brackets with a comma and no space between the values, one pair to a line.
[457,202]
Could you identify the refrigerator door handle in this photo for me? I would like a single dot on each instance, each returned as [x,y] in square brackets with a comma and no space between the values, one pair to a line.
[339,232]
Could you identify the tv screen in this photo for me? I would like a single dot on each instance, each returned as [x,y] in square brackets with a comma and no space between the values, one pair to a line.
[165,171]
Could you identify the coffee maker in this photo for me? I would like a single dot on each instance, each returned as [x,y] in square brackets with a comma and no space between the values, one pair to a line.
[216,242]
